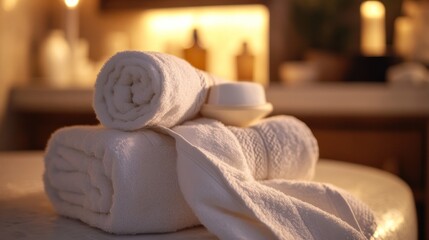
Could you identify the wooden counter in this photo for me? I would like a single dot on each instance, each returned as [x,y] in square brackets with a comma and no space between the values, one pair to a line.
[352,99]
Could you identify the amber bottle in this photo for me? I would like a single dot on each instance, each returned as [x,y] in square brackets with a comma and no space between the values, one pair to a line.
[196,54]
[245,64]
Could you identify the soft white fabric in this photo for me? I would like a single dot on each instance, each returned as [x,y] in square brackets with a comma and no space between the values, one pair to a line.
[137,89]
[121,182]
[277,147]
[229,201]
[126,182]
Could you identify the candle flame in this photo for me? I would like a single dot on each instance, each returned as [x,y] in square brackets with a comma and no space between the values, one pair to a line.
[71,3]
[372,9]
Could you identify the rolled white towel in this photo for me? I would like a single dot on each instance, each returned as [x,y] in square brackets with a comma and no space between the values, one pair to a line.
[126,182]
[121,182]
[137,89]
[278,147]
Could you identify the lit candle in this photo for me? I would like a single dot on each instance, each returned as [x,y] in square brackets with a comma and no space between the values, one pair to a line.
[404,36]
[373,33]
[72,21]
[72,31]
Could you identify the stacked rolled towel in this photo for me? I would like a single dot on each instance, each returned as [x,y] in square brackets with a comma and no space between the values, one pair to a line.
[145,89]
[121,182]
[126,182]
[163,174]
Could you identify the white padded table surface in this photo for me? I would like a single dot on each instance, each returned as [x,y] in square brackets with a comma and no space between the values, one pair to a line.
[26,213]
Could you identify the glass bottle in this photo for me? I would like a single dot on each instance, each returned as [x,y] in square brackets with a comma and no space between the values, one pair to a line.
[196,54]
[245,64]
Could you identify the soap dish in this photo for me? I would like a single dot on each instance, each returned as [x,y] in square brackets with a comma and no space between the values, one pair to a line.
[237,116]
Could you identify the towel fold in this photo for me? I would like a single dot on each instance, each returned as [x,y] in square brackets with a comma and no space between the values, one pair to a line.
[121,182]
[126,182]
[137,89]
[231,204]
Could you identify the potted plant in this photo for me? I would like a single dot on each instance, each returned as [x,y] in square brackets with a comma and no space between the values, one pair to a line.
[326,24]
[330,31]
[327,29]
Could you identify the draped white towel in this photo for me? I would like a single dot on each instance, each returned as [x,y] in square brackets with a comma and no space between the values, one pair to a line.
[137,89]
[126,182]
[232,205]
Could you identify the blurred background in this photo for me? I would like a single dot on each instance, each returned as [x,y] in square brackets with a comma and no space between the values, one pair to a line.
[355,71]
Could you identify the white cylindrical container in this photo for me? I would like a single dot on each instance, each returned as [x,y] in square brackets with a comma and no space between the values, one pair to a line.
[55,60]
[404,37]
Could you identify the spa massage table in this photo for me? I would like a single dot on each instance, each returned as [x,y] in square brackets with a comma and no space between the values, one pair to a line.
[26,213]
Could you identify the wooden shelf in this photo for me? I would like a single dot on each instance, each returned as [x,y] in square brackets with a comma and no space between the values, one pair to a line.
[350,99]
[114,5]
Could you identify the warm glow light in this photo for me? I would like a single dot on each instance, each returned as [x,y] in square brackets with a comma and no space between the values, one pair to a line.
[388,223]
[373,32]
[71,3]
[372,9]
[404,36]
[222,29]
[9,5]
